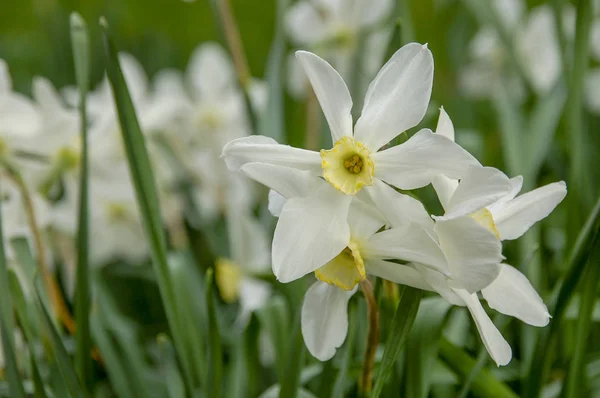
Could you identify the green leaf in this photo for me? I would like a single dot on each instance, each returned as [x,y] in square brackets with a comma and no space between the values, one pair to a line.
[405,315]
[81,56]
[214,341]
[422,345]
[290,382]
[576,376]
[340,381]
[275,320]
[588,237]
[147,198]
[484,384]
[38,384]
[7,326]
[175,386]
[271,122]
[59,352]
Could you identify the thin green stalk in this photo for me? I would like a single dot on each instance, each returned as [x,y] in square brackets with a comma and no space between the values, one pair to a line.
[214,341]
[588,237]
[290,381]
[147,199]
[366,380]
[83,361]
[574,387]
[484,383]
[579,193]
[7,326]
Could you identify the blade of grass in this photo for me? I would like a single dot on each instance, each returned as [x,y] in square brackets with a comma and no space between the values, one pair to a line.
[405,315]
[588,237]
[484,384]
[59,352]
[214,341]
[38,384]
[147,198]
[342,376]
[7,326]
[290,382]
[273,318]
[422,345]
[81,56]
[574,387]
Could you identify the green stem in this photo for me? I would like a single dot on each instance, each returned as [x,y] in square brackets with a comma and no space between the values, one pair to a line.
[366,379]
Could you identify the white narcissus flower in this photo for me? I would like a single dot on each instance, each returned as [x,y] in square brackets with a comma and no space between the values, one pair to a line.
[332,29]
[237,277]
[313,229]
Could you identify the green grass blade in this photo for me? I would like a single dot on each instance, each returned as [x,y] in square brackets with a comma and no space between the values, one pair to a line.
[7,326]
[290,382]
[147,198]
[405,315]
[38,384]
[271,122]
[59,352]
[542,127]
[484,384]
[574,387]
[588,237]
[340,381]
[274,319]
[422,345]
[81,56]
[214,341]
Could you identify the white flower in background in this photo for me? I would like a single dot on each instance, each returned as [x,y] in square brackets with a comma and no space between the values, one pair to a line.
[332,29]
[592,86]
[313,229]
[238,277]
[114,217]
[536,43]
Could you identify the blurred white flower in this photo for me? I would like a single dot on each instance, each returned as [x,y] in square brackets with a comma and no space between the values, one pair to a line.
[332,29]
[312,228]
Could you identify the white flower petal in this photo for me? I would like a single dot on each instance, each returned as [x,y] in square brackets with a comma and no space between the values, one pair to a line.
[493,340]
[310,232]
[473,252]
[364,220]
[397,273]
[398,96]
[439,283]
[480,187]
[325,319]
[416,162]
[409,243]
[398,208]
[444,125]
[512,294]
[254,294]
[510,12]
[210,71]
[516,216]
[135,76]
[5,80]
[444,188]
[261,149]
[249,245]
[276,202]
[18,116]
[286,181]
[331,91]
[303,23]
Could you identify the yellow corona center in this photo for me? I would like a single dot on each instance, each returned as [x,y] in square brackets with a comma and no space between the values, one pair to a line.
[345,270]
[68,158]
[484,218]
[228,276]
[117,211]
[348,166]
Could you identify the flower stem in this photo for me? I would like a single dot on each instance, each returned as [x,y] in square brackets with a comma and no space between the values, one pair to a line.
[366,378]
[54,294]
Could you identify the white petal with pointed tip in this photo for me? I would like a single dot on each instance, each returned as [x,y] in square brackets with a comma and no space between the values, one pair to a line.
[398,208]
[416,162]
[258,148]
[364,220]
[397,98]
[516,216]
[493,340]
[276,202]
[444,125]
[473,252]
[254,293]
[512,294]
[397,273]
[444,188]
[325,319]
[480,187]
[310,232]
[287,181]
[331,91]
[409,243]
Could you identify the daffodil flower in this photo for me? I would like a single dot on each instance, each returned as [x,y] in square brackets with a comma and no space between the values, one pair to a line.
[237,276]
[313,229]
